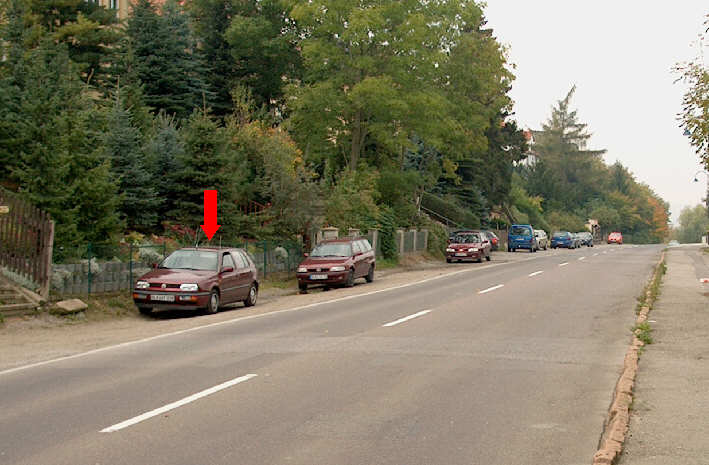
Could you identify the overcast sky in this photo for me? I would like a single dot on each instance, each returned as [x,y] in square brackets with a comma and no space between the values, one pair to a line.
[619,54]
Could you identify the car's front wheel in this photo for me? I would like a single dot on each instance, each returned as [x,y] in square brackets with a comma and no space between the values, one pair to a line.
[370,276]
[213,304]
[350,279]
[253,295]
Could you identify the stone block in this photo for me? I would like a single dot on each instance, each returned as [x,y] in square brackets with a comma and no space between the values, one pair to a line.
[69,307]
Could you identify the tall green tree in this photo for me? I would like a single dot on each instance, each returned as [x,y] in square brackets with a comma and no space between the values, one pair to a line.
[163,57]
[247,43]
[693,224]
[53,131]
[205,166]
[376,75]
[88,29]
[164,152]
[122,146]
[567,173]
[694,117]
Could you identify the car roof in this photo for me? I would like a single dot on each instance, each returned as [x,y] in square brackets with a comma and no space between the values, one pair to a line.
[211,249]
[342,240]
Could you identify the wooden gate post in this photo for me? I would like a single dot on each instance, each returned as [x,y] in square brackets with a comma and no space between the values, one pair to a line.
[49,251]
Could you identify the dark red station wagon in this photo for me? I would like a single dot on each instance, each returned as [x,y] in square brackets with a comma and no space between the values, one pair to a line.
[468,245]
[202,278]
[337,262]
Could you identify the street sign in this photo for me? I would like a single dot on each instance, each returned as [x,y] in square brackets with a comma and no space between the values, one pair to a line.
[4,209]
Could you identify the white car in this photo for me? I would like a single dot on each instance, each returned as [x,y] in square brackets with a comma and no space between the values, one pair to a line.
[542,239]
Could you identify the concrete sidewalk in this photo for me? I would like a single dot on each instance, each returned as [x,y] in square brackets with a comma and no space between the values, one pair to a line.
[670,417]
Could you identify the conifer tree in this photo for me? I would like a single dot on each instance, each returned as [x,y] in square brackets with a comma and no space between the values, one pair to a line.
[164,153]
[122,146]
[164,58]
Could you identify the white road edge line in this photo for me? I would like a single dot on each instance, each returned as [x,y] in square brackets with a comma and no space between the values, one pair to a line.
[490,289]
[535,273]
[582,258]
[563,264]
[250,317]
[595,255]
[406,318]
[179,403]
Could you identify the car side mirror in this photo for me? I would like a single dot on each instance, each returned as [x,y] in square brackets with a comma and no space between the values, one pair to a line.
[228,269]
[486,242]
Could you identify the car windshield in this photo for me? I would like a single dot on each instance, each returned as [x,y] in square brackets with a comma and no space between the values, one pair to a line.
[520,231]
[560,235]
[467,239]
[333,249]
[191,260]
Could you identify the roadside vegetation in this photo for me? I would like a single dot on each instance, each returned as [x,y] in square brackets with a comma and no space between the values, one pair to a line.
[693,224]
[389,114]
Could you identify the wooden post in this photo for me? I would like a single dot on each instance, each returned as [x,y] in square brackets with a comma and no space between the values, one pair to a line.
[49,251]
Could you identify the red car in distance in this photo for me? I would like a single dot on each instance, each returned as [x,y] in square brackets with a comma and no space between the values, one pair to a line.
[615,238]
[469,245]
[337,262]
[198,278]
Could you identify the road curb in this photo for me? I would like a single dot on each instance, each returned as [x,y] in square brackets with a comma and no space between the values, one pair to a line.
[616,424]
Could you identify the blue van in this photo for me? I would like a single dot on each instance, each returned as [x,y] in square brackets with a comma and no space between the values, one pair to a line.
[521,236]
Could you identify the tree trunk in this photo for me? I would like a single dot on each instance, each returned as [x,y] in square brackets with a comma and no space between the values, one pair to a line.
[358,134]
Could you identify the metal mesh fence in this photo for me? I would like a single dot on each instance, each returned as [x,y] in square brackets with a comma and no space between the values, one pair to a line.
[111,267]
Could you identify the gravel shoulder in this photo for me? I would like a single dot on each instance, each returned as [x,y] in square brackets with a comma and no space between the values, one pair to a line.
[26,340]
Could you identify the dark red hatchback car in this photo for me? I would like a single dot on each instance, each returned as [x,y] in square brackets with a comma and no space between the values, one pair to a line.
[202,278]
[468,245]
[337,262]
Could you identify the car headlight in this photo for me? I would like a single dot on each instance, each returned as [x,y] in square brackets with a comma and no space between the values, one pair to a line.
[337,268]
[302,269]
[474,249]
[450,250]
[142,285]
[189,287]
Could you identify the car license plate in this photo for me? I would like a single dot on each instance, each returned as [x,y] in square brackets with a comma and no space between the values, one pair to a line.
[318,276]
[162,297]
[460,254]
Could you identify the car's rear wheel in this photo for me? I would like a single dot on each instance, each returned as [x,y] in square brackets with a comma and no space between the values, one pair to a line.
[145,310]
[448,260]
[303,287]
[213,304]
[487,257]
[350,279]
[253,295]
[370,276]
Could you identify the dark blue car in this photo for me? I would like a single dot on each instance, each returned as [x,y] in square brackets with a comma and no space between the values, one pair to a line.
[563,239]
[521,236]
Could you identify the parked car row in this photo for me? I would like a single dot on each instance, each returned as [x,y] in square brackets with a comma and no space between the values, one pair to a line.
[208,278]
[569,240]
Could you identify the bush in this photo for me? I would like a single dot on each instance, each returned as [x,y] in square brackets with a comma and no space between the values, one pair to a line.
[387,230]
[437,238]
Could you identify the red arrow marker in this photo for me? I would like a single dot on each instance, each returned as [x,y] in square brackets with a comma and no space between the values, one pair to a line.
[210,225]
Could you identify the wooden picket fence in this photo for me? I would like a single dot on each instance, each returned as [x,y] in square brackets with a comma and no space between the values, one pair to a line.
[26,240]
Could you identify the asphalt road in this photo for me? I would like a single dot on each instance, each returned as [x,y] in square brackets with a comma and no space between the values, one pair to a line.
[497,364]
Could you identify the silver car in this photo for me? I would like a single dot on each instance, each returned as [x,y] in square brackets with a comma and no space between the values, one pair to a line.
[542,239]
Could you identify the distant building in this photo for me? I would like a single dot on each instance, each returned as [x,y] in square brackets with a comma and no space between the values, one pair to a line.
[122,7]
[532,156]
